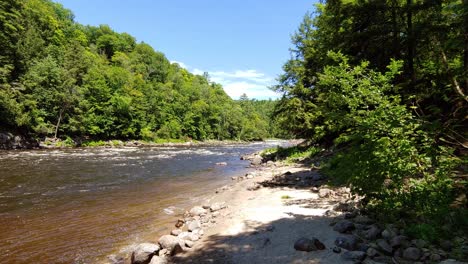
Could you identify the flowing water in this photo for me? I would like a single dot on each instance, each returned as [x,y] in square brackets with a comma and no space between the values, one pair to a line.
[80,205]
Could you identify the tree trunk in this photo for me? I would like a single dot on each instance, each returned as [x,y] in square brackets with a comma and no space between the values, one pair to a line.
[409,29]
[58,123]
[465,36]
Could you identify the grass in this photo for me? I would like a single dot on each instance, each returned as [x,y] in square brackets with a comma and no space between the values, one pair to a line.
[284,197]
[291,154]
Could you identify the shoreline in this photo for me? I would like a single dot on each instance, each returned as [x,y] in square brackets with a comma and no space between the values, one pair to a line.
[265,215]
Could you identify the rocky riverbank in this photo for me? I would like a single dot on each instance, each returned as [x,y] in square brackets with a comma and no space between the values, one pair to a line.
[286,214]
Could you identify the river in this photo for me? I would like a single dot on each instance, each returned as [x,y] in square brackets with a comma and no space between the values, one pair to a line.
[80,205]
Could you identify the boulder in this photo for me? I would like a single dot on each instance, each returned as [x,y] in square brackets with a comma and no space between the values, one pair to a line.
[305,244]
[389,233]
[193,225]
[372,233]
[171,244]
[256,160]
[324,192]
[399,241]
[158,260]
[384,246]
[344,226]
[372,252]
[188,236]
[176,232]
[419,243]
[180,223]
[364,220]
[347,242]
[355,256]
[412,253]
[197,210]
[143,253]
[189,243]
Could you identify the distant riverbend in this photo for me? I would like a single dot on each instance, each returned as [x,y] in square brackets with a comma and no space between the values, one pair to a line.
[80,205]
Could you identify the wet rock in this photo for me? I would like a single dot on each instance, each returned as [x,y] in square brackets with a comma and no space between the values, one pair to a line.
[356,256]
[143,253]
[344,226]
[347,242]
[197,210]
[158,260]
[384,246]
[171,244]
[176,232]
[305,244]
[412,253]
[324,192]
[399,241]
[193,225]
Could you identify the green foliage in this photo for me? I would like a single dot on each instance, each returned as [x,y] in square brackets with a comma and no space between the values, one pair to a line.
[290,154]
[60,78]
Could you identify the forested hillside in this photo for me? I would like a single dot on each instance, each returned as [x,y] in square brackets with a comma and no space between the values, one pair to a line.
[383,85]
[59,78]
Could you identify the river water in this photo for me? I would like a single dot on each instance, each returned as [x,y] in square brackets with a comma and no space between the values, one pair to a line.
[80,205]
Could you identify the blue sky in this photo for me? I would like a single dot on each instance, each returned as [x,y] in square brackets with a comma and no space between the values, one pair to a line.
[241,44]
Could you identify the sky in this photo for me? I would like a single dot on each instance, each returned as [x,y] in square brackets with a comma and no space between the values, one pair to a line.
[242,44]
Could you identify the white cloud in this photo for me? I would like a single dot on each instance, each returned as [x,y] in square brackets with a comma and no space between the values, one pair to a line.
[251,82]
[181,64]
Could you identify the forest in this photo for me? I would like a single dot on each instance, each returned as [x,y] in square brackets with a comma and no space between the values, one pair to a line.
[382,86]
[59,78]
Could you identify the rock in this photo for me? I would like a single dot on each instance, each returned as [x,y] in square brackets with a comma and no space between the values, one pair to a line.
[399,241]
[176,232]
[221,163]
[163,252]
[356,256]
[446,245]
[254,187]
[323,193]
[350,215]
[388,233]
[217,206]
[158,260]
[180,223]
[336,249]
[372,233]
[270,163]
[188,236]
[171,243]
[257,160]
[384,246]
[363,247]
[347,242]
[344,226]
[197,210]
[143,253]
[343,207]
[189,243]
[305,244]
[412,253]
[249,176]
[198,232]
[114,259]
[314,189]
[419,243]
[362,219]
[193,225]
[451,261]
[317,177]
[371,252]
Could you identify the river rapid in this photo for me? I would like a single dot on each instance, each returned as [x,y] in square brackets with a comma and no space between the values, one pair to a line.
[81,205]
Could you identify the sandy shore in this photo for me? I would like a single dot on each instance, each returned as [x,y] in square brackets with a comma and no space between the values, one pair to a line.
[262,225]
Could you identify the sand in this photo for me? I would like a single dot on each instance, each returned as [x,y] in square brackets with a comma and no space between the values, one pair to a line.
[262,226]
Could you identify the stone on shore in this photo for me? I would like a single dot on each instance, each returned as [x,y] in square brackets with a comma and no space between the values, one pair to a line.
[412,253]
[217,206]
[257,160]
[171,243]
[384,246]
[193,225]
[197,210]
[323,193]
[347,242]
[356,256]
[305,244]
[176,232]
[344,226]
[143,253]
[158,260]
